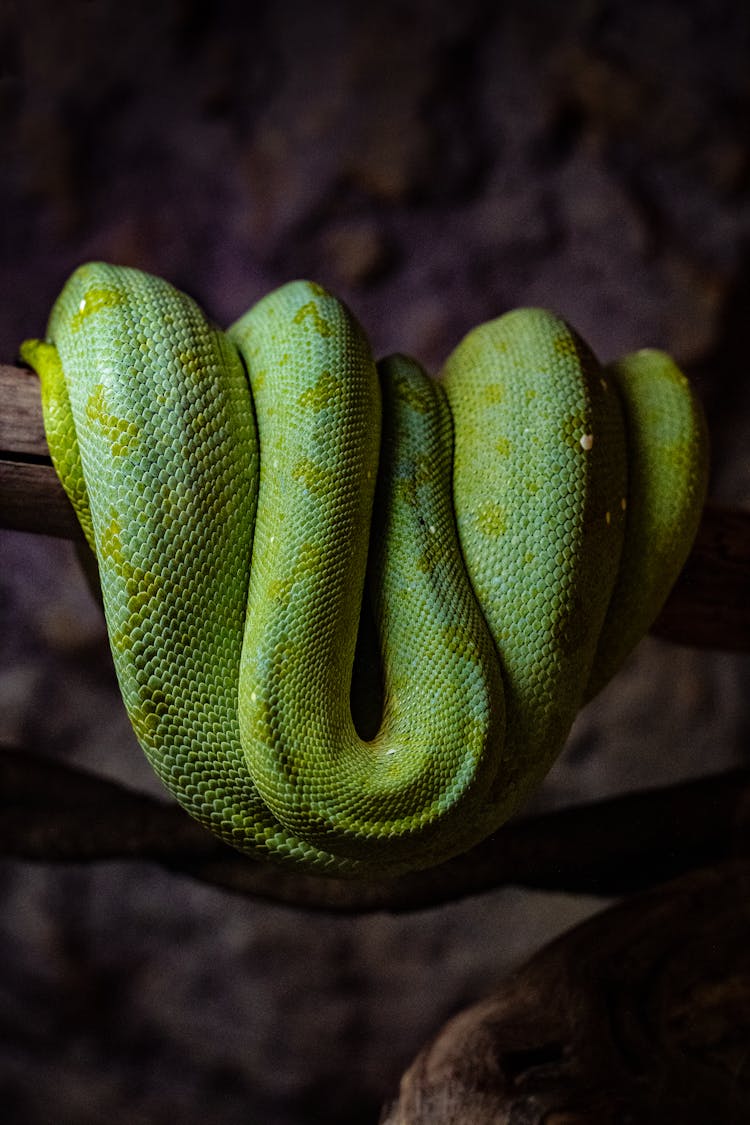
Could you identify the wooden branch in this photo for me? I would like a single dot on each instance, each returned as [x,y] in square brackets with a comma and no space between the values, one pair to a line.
[639,1015]
[709,606]
[31,496]
[52,813]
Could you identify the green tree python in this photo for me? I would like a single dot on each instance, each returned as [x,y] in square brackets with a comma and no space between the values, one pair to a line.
[354,610]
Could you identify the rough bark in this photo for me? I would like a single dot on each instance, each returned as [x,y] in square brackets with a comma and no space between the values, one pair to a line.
[640,1015]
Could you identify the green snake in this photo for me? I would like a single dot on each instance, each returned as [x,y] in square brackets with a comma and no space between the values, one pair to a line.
[354,610]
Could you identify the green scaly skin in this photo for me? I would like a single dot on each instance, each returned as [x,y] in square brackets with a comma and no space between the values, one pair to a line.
[511,530]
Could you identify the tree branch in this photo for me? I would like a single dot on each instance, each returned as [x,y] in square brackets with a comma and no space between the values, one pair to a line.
[640,1015]
[709,606]
[52,813]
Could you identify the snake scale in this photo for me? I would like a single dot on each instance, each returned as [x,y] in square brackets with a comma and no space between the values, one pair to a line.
[354,610]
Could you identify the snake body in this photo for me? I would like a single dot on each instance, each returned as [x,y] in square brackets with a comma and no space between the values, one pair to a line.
[354,611]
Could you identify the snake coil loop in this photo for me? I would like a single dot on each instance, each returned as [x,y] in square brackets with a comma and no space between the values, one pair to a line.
[256,497]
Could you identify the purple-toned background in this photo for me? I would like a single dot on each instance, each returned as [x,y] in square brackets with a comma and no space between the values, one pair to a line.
[434,164]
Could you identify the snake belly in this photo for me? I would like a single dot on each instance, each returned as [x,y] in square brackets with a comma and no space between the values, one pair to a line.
[353,610]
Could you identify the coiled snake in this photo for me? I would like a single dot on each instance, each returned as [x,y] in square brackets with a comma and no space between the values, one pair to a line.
[260,499]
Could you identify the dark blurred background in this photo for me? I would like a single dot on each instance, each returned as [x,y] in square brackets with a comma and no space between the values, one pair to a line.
[434,164]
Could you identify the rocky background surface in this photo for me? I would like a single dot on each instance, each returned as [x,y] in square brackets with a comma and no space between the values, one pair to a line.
[434,164]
